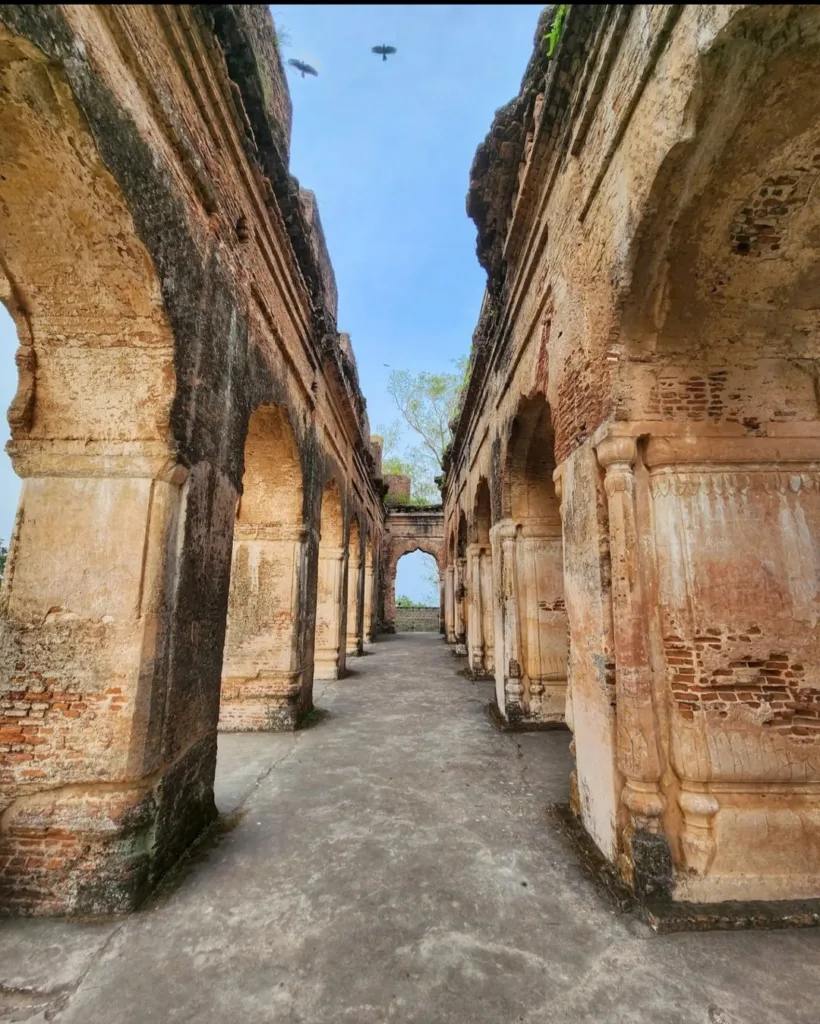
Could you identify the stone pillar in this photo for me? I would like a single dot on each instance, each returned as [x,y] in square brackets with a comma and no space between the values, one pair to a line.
[647,857]
[262,674]
[369,582]
[574,793]
[485,577]
[509,686]
[354,584]
[460,624]
[449,604]
[329,657]
[475,611]
[108,678]
[389,623]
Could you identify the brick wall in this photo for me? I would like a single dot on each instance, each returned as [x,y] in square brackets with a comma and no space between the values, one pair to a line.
[417,620]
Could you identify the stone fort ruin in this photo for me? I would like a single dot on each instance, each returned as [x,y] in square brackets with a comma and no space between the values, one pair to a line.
[628,543]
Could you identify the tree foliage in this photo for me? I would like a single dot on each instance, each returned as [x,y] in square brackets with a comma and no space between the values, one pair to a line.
[426,402]
[3,555]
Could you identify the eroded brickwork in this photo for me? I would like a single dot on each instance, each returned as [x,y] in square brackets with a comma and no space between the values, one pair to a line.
[648,218]
[184,400]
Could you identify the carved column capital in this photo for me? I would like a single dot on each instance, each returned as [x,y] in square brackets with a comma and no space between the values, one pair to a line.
[617,453]
[504,529]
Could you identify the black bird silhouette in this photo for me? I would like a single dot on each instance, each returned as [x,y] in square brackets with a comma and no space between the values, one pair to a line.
[384,50]
[300,65]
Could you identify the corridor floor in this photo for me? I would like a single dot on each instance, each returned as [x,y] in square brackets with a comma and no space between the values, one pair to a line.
[394,863]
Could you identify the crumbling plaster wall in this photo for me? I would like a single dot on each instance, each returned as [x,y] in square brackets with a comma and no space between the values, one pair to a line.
[647,218]
[168,130]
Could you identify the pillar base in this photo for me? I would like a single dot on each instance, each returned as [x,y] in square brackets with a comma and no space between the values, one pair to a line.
[666,916]
[327,673]
[99,849]
[271,702]
[519,722]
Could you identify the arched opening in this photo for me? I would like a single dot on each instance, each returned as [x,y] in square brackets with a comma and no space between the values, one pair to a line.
[417,593]
[722,336]
[531,623]
[262,674]
[329,646]
[112,748]
[355,582]
[480,640]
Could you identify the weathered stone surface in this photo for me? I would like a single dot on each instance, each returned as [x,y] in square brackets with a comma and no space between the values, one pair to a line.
[414,877]
[183,401]
[647,349]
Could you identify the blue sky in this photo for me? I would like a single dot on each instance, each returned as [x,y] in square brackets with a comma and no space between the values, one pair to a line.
[387,148]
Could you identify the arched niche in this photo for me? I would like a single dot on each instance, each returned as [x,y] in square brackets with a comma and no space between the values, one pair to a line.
[482,512]
[262,676]
[529,489]
[530,620]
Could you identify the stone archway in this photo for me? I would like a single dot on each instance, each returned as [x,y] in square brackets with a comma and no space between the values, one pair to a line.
[108,667]
[527,556]
[166,280]
[262,677]
[712,483]
[408,530]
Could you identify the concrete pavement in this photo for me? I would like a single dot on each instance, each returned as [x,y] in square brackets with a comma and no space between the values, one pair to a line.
[394,863]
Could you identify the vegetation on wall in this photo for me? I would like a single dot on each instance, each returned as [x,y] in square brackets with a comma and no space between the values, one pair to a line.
[553,37]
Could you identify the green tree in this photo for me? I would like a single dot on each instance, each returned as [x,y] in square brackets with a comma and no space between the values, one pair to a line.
[426,402]
[3,555]
[403,601]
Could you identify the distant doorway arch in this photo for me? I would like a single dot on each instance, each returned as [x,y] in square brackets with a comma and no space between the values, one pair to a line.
[408,530]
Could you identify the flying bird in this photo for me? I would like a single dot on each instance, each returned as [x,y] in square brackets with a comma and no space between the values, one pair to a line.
[306,69]
[384,50]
